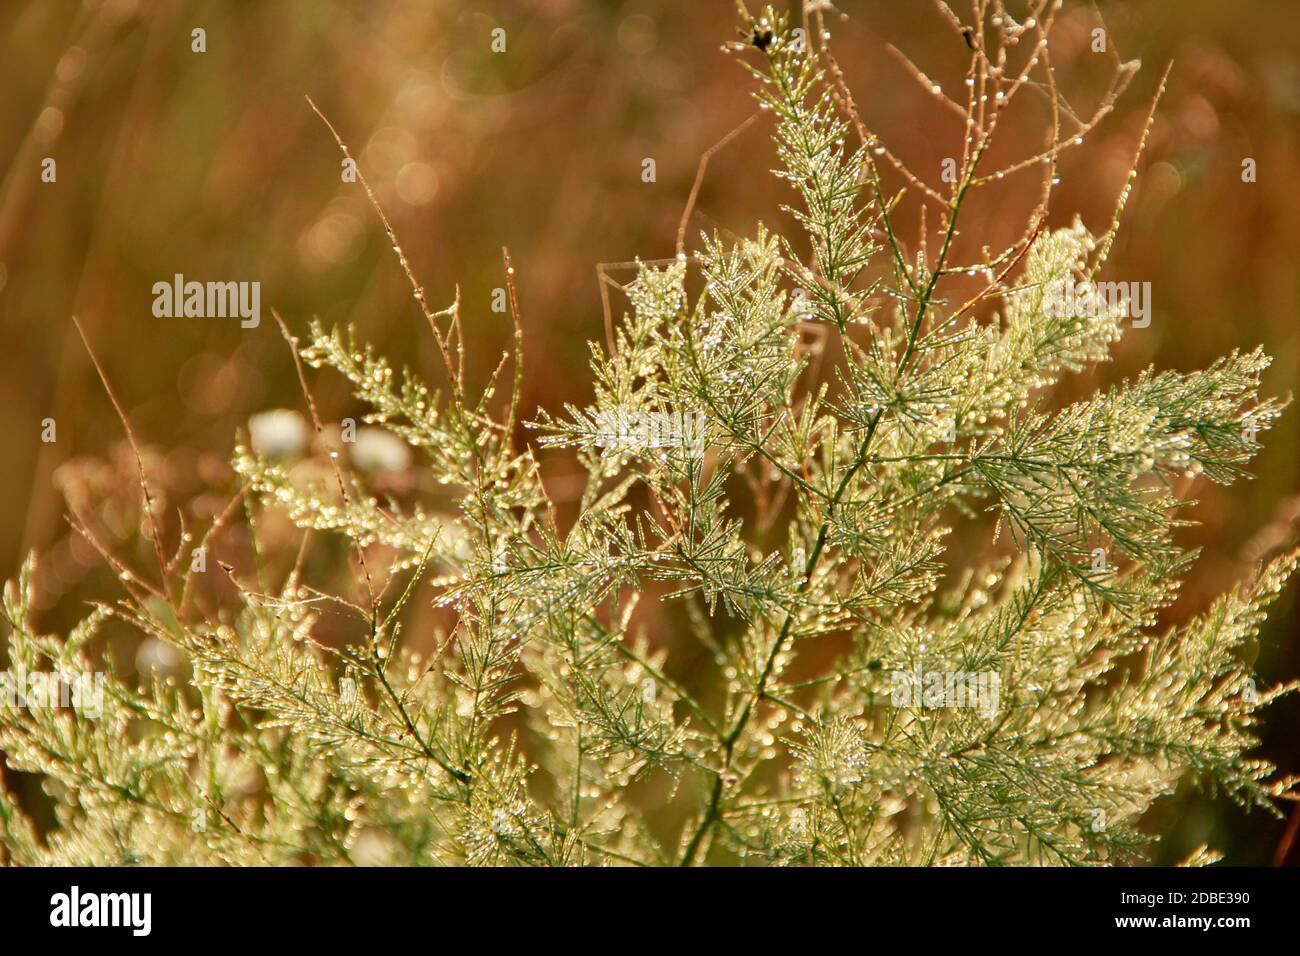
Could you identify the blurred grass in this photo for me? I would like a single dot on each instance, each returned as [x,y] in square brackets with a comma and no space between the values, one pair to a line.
[212,165]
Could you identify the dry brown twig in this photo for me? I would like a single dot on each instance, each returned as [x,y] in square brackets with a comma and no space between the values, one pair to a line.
[146,494]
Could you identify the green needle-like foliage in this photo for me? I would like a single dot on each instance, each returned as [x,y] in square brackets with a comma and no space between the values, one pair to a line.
[784,431]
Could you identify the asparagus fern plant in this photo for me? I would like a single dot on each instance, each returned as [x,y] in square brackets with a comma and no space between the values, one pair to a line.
[785,429]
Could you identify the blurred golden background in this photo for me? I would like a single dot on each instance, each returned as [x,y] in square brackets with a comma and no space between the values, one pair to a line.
[212,165]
